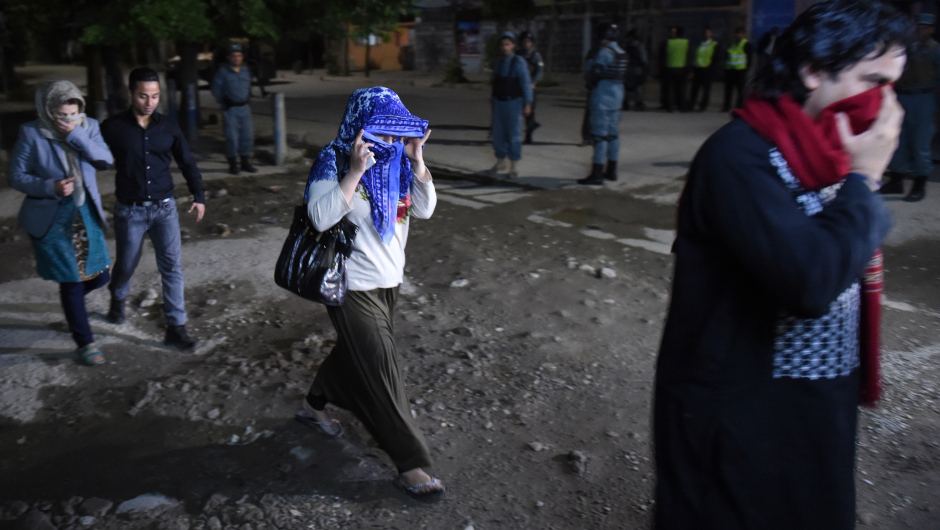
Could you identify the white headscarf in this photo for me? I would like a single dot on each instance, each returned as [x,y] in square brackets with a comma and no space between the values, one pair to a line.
[49,98]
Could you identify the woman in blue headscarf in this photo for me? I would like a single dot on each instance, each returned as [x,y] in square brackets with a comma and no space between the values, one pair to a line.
[374,175]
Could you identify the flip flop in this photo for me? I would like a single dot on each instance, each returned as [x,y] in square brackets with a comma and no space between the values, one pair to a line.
[415,491]
[332,428]
[90,355]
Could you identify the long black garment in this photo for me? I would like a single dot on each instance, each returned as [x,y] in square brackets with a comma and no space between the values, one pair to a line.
[735,446]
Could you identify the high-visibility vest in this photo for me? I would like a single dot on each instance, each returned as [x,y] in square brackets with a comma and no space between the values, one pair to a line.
[704,54]
[677,52]
[737,59]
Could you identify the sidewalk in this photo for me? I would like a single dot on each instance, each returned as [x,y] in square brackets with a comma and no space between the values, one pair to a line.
[655,151]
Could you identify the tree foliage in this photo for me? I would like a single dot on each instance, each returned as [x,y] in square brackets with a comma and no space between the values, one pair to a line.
[375,17]
[509,10]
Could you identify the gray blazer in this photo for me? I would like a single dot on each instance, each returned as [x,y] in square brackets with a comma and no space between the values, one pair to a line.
[37,162]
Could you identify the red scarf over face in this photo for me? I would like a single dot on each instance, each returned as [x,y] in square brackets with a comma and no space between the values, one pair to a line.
[813,150]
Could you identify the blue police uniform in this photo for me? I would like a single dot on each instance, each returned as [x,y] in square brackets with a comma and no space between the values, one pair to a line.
[609,66]
[512,91]
[233,90]
[917,93]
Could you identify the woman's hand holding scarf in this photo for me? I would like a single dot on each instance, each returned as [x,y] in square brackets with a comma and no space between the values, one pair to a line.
[414,150]
[359,157]
[64,127]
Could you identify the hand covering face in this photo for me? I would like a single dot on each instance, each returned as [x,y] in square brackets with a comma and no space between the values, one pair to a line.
[377,111]
[49,98]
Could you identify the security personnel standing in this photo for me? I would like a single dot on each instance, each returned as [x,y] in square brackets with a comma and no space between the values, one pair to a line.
[703,70]
[231,87]
[636,71]
[536,71]
[739,59]
[512,99]
[917,92]
[605,72]
[677,61]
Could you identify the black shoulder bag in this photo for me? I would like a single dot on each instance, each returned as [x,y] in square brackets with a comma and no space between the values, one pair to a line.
[312,264]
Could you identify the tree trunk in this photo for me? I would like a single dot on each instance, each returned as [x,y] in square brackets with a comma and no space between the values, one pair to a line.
[346,52]
[188,75]
[552,34]
[114,80]
[455,7]
[368,49]
[96,107]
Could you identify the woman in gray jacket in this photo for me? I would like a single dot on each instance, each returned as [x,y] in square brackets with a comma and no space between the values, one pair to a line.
[54,163]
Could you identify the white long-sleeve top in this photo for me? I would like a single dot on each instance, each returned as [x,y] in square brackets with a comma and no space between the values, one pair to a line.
[373,264]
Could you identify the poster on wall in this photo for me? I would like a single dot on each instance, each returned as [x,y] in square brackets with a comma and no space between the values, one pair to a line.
[469,41]
[765,14]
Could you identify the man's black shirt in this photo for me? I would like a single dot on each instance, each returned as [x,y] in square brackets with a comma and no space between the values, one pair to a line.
[142,158]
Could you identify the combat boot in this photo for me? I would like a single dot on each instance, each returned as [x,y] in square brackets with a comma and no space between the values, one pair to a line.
[596,178]
[246,165]
[177,337]
[611,173]
[233,166]
[498,167]
[116,312]
[894,185]
[918,190]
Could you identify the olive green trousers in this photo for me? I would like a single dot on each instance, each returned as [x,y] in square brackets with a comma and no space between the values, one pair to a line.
[361,375]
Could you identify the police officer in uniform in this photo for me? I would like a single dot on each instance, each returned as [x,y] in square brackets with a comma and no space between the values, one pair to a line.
[231,87]
[536,71]
[512,99]
[739,59]
[605,72]
[702,70]
[636,71]
[917,92]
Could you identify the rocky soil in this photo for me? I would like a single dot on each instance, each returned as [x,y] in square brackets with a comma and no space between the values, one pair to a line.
[528,339]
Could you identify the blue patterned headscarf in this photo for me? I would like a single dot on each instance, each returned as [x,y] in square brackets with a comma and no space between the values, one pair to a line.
[375,110]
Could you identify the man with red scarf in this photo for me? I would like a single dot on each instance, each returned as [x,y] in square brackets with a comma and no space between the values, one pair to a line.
[771,339]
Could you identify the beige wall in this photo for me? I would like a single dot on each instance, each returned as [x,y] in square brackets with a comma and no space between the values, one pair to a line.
[383,54]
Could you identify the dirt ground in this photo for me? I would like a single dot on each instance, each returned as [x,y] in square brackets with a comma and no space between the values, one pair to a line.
[528,339]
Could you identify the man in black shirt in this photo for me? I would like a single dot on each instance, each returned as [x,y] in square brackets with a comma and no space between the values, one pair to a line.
[143,142]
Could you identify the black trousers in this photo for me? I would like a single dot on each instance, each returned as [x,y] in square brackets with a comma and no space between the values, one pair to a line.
[675,89]
[735,80]
[701,81]
[72,295]
[530,123]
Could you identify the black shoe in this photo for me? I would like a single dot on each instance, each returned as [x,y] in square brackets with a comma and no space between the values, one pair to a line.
[233,166]
[596,178]
[116,313]
[177,337]
[528,137]
[918,190]
[894,185]
[611,173]
[246,165]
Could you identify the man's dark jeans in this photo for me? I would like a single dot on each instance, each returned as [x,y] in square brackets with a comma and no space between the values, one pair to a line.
[162,222]
[72,295]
